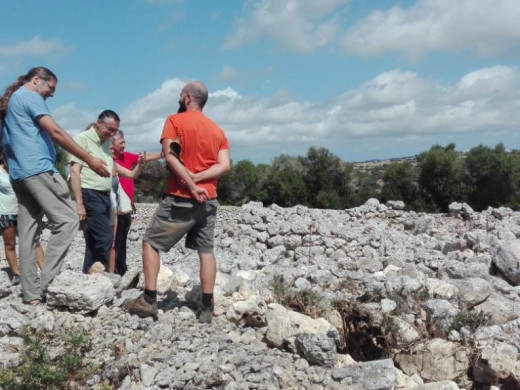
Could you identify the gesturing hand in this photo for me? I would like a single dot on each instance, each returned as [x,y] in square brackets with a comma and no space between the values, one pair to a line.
[99,166]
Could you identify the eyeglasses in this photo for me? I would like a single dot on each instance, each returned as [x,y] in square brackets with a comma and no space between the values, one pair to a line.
[51,87]
[111,129]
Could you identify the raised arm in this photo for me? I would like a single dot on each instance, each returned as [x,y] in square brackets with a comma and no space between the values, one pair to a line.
[152,156]
[131,174]
[62,138]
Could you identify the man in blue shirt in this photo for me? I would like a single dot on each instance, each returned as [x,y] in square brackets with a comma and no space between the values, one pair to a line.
[27,134]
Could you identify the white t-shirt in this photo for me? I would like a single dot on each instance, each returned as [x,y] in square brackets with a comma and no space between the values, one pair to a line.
[8,202]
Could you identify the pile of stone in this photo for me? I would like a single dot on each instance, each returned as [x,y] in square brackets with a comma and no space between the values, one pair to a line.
[405,300]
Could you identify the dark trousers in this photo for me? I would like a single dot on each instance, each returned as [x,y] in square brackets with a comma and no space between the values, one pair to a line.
[123,227]
[98,234]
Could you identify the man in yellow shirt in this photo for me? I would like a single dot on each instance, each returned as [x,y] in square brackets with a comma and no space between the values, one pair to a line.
[92,192]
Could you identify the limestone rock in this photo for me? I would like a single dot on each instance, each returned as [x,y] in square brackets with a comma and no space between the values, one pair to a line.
[80,292]
[11,321]
[498,364]
[373,375]
[507,260]
[435,360]
[317,349]
[284,325]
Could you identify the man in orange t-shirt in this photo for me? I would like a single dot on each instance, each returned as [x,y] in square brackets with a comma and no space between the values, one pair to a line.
[197,154]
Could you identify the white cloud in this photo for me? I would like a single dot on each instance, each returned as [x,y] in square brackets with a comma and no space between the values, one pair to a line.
[394,114]
[35,47]
[299,25]
[72,118]
[481,27]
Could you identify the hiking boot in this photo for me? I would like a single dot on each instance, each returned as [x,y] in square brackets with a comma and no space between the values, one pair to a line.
[205,314]
[97,268]
[140,307]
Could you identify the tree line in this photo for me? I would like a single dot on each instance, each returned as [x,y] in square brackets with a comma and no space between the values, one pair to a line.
[481,177]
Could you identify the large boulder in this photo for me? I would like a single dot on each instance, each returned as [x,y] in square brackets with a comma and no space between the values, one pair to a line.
[435,360]
[507,260]
[80,292]
[250,312]
[284,325]
[317,349]
[498,364]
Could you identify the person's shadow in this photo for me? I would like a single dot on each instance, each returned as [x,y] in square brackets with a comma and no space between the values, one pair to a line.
[170,301]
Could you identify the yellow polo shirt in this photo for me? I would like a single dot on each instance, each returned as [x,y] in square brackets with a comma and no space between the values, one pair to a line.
[89,140]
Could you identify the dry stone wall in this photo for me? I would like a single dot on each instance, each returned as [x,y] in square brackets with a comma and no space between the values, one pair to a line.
[305,299]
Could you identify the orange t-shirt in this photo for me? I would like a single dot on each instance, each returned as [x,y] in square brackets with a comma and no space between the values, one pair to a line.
[201,141]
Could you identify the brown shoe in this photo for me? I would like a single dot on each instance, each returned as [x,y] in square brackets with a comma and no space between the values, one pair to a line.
[97,268]
[140,307]
[205,314]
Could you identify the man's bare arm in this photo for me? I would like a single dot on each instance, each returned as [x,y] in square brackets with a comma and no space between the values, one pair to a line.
[177,169]
[152,156]
[75,184]
[130,174]
[221,167]
[62,138]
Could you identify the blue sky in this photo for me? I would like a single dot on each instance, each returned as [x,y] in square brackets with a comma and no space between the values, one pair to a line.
[365,79]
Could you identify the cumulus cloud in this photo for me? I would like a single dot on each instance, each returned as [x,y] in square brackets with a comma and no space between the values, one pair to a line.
[396,109]
[35,47]
[299,25]
[480,27]
[73,118]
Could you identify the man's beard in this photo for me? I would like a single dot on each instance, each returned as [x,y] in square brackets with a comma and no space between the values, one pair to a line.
[182,106]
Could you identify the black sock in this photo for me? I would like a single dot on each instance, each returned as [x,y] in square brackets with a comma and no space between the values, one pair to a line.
[150,296]
[207,299]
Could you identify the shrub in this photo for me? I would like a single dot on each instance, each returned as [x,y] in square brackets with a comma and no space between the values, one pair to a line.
[306,302]
[39,371]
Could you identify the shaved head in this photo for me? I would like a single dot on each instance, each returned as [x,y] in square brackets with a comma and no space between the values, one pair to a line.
[198,92]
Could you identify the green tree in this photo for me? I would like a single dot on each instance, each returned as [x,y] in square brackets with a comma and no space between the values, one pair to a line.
[325,173]
[399,182]
[151,182]
[440,176]
[488,176]
[514,159]
[285,185]
[246,182]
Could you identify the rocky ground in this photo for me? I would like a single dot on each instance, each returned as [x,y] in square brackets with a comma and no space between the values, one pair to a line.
[367,298]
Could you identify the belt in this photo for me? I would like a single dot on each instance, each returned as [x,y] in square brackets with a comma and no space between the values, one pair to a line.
[98,191]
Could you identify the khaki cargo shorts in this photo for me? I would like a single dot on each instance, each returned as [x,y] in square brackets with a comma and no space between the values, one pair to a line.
[176,217]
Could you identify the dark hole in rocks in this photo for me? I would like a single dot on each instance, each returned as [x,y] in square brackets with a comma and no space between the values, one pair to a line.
[495,271]
[360,337]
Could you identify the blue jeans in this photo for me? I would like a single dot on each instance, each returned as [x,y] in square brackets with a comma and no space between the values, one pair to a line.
[98,233]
